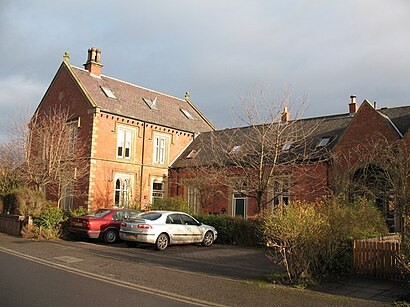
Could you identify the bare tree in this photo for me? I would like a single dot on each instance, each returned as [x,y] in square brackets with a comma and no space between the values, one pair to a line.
[9,168]
[253,158]
[379,170]
[54,156]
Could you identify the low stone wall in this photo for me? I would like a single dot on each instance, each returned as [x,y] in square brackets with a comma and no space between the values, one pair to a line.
[11,224]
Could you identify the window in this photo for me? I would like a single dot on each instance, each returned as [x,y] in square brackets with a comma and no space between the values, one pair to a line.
[124,142]
[73,132]
[193,199]
[157,190]
[108,92]
[286,146]
[192,154]
[239,204]
[122,191]
[323,142]
[68,197]
[160,149]
[152,104]
[235,149]
[281,192]
[187,114]
[187,220]
[173,219]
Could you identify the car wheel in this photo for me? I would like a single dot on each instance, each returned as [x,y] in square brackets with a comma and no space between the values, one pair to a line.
[131,243]
[162,242]
[110,236]
[208,239]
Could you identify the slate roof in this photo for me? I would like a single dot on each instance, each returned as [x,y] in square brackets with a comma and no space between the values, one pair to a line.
[129,102]
[400,117]
[318,128]
[331,127]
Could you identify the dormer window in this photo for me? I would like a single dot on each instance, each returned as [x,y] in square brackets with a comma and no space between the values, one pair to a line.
[152,104]
[235,149]
[286,146]
[187,114]
[108,92]
[323,142]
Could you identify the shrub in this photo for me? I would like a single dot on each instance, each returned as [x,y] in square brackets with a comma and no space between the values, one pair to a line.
[47,225]
[403,259]
[171,204]
[313,241]
[234,230]
[50,218]
[24,201]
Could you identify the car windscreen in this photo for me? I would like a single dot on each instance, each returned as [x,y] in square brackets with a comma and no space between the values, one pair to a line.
[152,216]
[99,213]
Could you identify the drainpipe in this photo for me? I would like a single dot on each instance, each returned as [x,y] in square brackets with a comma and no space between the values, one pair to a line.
[142,161]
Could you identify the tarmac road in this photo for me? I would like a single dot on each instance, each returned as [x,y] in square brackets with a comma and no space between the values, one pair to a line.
[220,275]
[27,283]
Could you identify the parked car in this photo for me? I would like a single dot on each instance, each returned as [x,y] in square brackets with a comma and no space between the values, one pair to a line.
[101,223]
[164,228]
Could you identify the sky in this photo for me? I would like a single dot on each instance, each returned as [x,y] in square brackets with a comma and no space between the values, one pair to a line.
[325,50]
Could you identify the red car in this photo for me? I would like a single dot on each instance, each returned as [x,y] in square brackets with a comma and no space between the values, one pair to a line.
[102,223]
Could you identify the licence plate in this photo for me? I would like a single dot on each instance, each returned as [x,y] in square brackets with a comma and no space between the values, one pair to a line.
[78,224]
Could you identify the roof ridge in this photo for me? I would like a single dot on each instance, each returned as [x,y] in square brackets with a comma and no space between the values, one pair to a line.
[132,84]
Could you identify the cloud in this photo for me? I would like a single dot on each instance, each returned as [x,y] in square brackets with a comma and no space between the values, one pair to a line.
[18,95]
[218,49]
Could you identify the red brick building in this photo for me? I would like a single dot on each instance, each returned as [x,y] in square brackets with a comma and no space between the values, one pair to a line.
[311,178]
[132,134]
[143,144]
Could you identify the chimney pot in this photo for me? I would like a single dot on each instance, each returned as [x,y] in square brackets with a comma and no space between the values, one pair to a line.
[352,105]
[285,115]
[93,64]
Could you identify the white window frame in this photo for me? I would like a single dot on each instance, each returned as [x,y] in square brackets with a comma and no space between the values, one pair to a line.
[161,144]
[239,195]
[124,190]
[281,188]
[193,198]
[157,193]
[68,198]
[125,137]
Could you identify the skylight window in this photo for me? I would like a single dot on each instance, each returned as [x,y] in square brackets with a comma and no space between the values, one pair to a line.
[323,142]
[286,146]
[192,154]
[187,114]
[108,92]
[235,149]
[151,103]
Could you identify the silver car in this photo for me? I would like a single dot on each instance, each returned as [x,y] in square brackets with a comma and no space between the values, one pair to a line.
[164,228]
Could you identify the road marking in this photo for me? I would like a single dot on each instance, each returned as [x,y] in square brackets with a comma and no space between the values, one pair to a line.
[152,291]
[95,248]
[68,259]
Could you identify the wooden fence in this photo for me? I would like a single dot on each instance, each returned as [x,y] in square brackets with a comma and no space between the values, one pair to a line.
[376,257]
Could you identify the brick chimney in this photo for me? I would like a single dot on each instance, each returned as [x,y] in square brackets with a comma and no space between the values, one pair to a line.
[352,105]
[285,115]
[93,64]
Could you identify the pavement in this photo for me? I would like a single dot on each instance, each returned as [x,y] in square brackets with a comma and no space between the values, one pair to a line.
[220,274]
[367,288]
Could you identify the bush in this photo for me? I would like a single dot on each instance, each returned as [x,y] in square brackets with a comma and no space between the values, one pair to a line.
[234,230]
[47,225]
[403,259]
[170,204]
[24,201]
[314,241]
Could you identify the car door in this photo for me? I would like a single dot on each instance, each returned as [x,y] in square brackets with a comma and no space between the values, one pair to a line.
[175,228]
[193,232]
